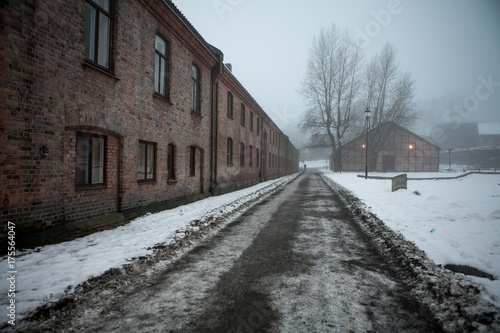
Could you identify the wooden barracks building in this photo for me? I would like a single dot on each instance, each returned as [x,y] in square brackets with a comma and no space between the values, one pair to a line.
[120,107]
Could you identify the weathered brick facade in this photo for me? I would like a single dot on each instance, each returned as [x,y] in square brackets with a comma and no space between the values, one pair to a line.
[53,93]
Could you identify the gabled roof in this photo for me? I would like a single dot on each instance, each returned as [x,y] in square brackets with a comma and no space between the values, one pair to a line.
[398,127]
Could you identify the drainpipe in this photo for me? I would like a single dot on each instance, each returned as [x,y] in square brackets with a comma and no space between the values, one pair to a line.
[262,149]
[214,131]
[216,134]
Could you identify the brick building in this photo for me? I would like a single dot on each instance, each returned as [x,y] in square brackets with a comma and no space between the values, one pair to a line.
[404,151]
[120,107]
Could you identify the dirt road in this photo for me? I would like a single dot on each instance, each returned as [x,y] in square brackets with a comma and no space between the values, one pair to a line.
[294,263]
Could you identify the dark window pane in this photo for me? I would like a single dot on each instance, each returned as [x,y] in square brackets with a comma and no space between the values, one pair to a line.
[104,4]
[229,151]
[162,76]
[171,161]
[195,89]
[230,104]
[89,33]
[97,160]
[82,160]
[242,154]
[142,161]
[103,48]
[157,73]
[150,161]
[192,161]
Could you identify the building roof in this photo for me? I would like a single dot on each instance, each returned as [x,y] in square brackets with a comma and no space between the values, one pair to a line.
[361,137]
[488,128]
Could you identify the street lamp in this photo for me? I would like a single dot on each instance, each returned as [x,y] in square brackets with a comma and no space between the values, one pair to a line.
[367,123]
[449,158]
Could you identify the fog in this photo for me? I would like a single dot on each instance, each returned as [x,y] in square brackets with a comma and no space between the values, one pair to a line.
[451,47]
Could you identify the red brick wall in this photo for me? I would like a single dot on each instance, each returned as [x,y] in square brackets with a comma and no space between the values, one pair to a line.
[236,176]
[49,93]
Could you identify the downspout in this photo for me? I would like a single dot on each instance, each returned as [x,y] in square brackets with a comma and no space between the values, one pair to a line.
[262,149]
[213,130]
[216,135]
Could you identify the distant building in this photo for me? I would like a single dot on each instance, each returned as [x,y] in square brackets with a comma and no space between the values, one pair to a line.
[404,152]
[474,145]
[489,134]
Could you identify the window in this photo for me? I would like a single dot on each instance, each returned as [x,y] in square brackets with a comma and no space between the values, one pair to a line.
[161,67]
[195,89]
[229,105]
[147,161]
[411,149]
[90,154]
[257,157]
[229,151]
[97,36]
[250,155]
[258,126]
[251,121]
[242,154]
[242,114]
[171,162]
[192,161]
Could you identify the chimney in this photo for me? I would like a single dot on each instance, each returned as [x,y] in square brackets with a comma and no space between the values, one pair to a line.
[229,66]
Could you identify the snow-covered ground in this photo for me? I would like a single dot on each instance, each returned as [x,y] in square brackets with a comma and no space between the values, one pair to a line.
[454,221]
[46,274]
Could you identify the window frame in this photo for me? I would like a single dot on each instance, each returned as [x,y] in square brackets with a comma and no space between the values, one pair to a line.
[192,161]
[250,155]
[90,184]
[171,162]
[95,40]
[251,121]
[258,126]
[195,90]
[157,74]
[242,114]
[230,104]
[229,151]
[242,154]
[146,179]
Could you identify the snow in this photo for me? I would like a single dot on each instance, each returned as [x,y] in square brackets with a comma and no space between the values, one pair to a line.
[49,272]
[454,221]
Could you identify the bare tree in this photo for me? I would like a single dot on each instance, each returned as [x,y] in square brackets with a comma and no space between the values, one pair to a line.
[330,89]
[390,100]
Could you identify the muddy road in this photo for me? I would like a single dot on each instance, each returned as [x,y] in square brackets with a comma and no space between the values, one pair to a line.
[296,262]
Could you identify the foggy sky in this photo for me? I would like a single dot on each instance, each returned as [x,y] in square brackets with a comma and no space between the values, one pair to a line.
[450,46]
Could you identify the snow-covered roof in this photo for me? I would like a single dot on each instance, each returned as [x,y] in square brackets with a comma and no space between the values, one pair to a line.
[488,128]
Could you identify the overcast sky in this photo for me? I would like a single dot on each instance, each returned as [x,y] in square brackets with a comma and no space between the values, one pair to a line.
[447,45]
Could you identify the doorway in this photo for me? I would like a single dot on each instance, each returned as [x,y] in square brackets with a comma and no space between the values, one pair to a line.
[388,163]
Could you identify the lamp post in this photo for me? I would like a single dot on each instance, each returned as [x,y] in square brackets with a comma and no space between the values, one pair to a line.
[367,123]
[449,158]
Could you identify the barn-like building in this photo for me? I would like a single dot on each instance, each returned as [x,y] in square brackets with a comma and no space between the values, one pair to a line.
[404,151]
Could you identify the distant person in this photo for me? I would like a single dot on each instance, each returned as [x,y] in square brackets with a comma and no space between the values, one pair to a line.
[305,167]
